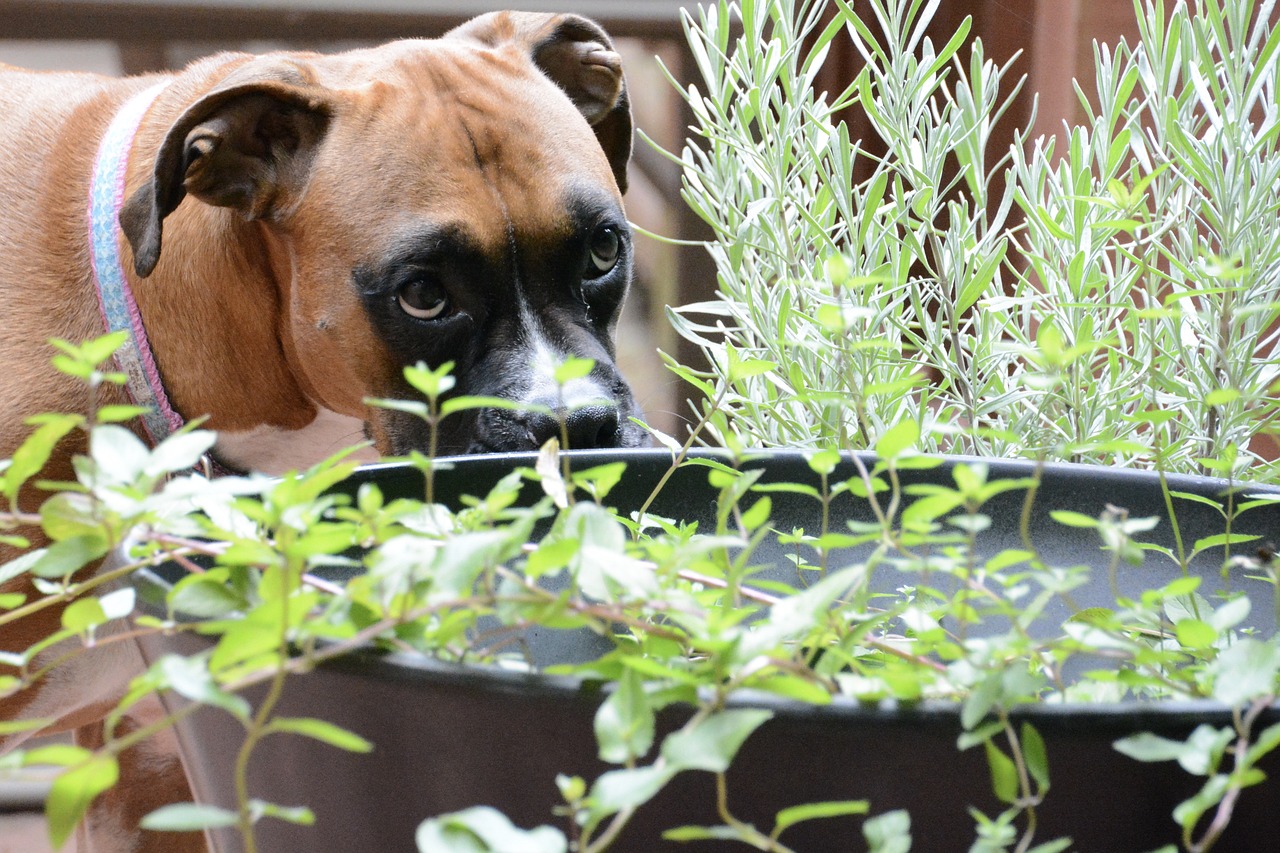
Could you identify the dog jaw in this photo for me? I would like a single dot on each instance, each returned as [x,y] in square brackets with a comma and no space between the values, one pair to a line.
[275,450]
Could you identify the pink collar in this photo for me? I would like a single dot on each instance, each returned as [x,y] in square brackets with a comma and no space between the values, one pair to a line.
[115,297]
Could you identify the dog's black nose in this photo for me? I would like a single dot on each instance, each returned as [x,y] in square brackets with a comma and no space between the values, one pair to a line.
[587,427]
[593,426]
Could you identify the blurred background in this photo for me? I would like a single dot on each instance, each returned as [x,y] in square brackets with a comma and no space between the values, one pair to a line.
[1055,37]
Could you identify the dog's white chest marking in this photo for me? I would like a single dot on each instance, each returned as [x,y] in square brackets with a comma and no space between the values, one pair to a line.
[271,450]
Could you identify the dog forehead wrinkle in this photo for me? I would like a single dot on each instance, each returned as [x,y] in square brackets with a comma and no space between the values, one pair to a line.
[421,244]
[587,205]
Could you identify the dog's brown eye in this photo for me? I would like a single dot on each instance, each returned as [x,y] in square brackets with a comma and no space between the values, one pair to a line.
[606,245]
[424,299]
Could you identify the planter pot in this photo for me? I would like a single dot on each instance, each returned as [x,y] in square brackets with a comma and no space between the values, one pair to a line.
[450,736]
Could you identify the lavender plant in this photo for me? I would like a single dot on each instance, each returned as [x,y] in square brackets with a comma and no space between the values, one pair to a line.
[1112,300]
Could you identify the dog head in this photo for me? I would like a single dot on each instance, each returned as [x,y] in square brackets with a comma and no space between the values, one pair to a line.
[448,200]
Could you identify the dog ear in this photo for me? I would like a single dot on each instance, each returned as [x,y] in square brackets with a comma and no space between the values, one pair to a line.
[579,57]
[246,145]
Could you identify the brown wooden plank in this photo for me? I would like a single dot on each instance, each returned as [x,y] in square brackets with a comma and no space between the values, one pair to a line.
[312,19]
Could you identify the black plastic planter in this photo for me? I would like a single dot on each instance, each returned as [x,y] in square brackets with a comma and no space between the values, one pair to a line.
[449,737]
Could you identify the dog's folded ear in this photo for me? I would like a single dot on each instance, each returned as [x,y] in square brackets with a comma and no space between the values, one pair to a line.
[247,145]
[579,57]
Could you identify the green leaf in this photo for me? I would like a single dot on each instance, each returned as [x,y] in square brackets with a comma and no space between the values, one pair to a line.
[20,565]
[432,384]
[929,508]
[548,468]
[67,514]
[118,414]
[95,351]
[1221,396]
[1004,774]
[1036,756]
[188,817]
[1181,586]
[1073,519]
[738,368]
[573,368]
[888,833]
[713,742]
[1008,558]
[601,479]
[551,556]
[119,454]
[1149,747]
[981,699]
[73,791]
[83,614]
[685,834]
[789,817]
[34,452]
[467,402]
[485,830]
[57,755]
[758,515]
[1221,540]
[1050,342]
[69,556]
[206,596]
[629,788]
[417,408]
[13,727]
[455,567]
[300,815]
[824,461]
[179,452]
[1245,670]
[795,614]
[320,730]
[898,439]
[189,677]
[793,687]
[981,734]
[624,723]
[1263,743]
[572,788]
[1231,613]
[1204,749]
[1195,634]
[1188,812]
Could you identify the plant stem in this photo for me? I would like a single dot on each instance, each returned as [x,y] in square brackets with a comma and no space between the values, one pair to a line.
[1226,807]
[680,457]
[70,593]
[257,729]
[747,833]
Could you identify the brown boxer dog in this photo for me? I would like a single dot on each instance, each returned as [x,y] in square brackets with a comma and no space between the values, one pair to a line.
[295,229]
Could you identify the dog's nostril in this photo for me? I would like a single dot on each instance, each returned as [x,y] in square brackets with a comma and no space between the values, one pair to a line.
[593,426]
[585,428]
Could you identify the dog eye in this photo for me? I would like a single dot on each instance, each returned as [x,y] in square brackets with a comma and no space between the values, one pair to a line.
[424,299]
[606,246]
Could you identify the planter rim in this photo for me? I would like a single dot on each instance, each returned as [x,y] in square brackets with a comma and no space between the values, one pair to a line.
[1124,715]
[1000,467]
